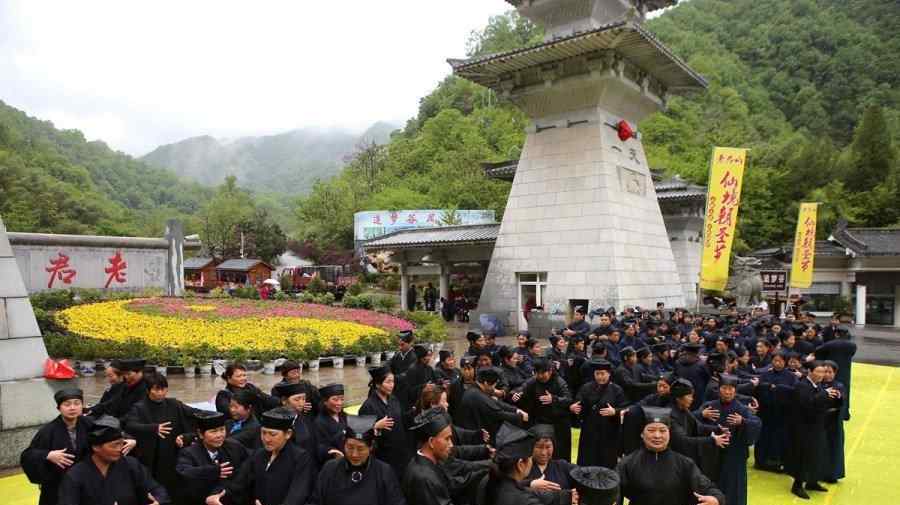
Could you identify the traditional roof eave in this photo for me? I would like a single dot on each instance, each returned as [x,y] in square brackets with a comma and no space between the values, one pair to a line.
[633,42]
[456,236]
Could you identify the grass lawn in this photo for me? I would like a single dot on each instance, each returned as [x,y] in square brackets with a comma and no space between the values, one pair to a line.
[872,444]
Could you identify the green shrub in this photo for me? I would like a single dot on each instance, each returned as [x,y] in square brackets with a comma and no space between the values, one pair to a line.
[248,292]
[320,298]
[59,345]
[385,303]
[53,300]
[312,350]
[358,302]
[355,289]
[389,282]
[281,296]
[316,285]
[49,322]
[218,292]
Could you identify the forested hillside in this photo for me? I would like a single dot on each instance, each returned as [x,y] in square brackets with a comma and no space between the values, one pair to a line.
[811,86]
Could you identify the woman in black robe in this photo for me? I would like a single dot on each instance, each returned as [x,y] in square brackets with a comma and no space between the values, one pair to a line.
[330,423]
[834,425]
[212,459]
[242,425]
[776,386]
[235,377]
[547,400]
[293,396]
[160,425]
[809,406]
[546,469]
[108,477]
[394,446]
[424,482]
[657,475]
[599,404]
[358,478]
[281,473]
[58,445]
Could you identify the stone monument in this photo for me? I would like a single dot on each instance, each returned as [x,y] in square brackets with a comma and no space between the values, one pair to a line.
[582,212]
[26,398]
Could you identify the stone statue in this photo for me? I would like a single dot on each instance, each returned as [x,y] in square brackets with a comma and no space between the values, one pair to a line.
[745,284]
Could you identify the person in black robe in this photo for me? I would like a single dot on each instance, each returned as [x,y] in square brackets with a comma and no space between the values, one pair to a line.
[401,362]
[235,377]
[513,376]
[419,374]
[547,470]
[424,482]
[834,424]
[330,423]
[775,390]
[479,410]
[840,349]
[558,355]
[458,387]
[292,373]
[59,444]
[211,460]
[135,390]
[293,396]
[394,445]
[108,477]
[512,465]
[743,429]
[632,420]
[578,327]
[809,448]
[358,478]
[446,370]
[547,400]
[628,377]
[160,425]
[280,473]
[689,435]
[242,425]
[599,404]
[657,475]
[688,366]
[112,393]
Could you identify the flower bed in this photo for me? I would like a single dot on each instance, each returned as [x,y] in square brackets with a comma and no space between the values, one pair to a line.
[177,330]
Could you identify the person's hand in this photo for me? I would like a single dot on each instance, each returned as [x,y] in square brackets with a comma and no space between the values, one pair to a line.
[130,444]
[568,332]
[722,440]
[61,458]
[797,374]
[385,423]
[225,470]
[754,381]
[485,436]
[607,411]
[516,396]
[307,407]
[257,502]
[575,408]
[153,500]
[491,452]
[179,441]
[833,393]
[754,405]
[335,453]
[543,485]
[215,499]
[523,415]
[706,500]
[546,398]
[734,419]
[710,413]
[499,393]
[164,429]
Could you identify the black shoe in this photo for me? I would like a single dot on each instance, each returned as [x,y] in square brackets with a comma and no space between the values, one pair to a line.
[831,481]
[798,491]
[814,486]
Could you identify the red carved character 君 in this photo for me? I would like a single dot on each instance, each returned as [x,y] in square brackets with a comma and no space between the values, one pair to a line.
[59,269]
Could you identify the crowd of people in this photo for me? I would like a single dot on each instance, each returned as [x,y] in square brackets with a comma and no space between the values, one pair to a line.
[668,404]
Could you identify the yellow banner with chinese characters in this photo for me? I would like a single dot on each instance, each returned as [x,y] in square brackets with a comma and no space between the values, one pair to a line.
[804,246]
[723,198]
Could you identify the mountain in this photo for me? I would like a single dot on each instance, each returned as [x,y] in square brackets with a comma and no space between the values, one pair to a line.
[284,163]
[54,181]
[811,87]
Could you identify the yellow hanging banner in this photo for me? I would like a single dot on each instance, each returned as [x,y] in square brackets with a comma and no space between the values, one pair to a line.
[723,198]
[804,246]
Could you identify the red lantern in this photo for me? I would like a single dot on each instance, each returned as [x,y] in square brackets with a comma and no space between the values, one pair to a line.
[625,131]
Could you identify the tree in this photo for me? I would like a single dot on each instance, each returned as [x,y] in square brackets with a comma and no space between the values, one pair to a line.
[223,218]
[872,156]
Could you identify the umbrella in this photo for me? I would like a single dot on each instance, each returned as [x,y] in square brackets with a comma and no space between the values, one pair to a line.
[273,282]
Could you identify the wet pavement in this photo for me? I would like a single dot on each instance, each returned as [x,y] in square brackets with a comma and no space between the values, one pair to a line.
[877,345]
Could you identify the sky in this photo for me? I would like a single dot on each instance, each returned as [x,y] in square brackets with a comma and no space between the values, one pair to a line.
[141,74]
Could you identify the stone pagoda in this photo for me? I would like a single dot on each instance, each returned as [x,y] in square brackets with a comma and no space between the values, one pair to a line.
[582,213]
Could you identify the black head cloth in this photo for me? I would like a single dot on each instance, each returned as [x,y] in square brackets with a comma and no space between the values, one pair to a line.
[361,428]
[287,390]
[68,394]
[542,431]
[513,442]
[133,365]
[657,415]
[330,390]
[207,420]
[596,485]
[106,429]
[429,423]
[280,418]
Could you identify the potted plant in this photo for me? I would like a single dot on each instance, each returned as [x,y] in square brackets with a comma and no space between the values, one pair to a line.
[337,352]
[189,364]
[312,352]
[269,361]
[358,352]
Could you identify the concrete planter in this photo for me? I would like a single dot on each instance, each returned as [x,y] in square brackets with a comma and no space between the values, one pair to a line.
[190,371]
[313,364]
[389,355]
[162,369]
[375,358]
[337,362]
[206,369]
[360,360]
[269,368]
